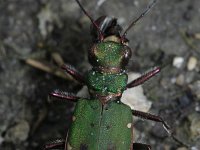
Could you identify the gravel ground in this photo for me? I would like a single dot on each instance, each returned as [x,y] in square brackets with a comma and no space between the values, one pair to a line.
[168,36]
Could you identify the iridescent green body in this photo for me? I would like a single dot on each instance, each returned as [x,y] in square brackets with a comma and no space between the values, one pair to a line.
[98,124]
[102,121]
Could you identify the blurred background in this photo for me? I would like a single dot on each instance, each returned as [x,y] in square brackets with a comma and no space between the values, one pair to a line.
[34,33]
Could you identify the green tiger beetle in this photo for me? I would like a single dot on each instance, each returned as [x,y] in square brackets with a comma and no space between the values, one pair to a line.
[103,122]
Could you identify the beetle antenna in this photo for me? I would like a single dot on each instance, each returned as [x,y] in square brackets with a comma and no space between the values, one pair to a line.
[136,20]
[92,20]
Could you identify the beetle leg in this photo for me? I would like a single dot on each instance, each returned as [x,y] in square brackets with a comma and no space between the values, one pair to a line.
[64,95]
[155,118]
[141,146]
[143,78]
[74,73]
[57,144]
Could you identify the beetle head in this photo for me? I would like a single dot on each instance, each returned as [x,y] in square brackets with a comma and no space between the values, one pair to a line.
[109,56]
[110,52]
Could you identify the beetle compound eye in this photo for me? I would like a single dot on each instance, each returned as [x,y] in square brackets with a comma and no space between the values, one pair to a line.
[126,56]
[127,53]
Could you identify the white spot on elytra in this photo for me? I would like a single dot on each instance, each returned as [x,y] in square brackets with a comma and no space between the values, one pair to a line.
[73,118]
[129,125]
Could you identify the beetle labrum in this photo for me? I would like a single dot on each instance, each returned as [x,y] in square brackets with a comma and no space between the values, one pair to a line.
[103,122]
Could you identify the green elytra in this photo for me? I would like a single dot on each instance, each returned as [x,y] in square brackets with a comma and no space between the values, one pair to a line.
[103,124]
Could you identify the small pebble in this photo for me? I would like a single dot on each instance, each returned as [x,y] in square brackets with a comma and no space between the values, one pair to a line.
[194,148]
[134,97]
[173,80]
[1,140]
[192,63]
[178,62]
[180,80]
[190,76]
[197,107]
[195,125]
[18,133]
